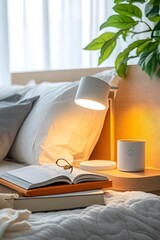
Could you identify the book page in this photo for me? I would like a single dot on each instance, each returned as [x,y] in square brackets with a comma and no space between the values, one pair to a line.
[35,174]
[80,175]
[77,175]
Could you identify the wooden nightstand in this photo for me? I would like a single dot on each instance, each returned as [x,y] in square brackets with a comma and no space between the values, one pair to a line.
[147,181]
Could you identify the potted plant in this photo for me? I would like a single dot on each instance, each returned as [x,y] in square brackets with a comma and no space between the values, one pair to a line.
[127,16]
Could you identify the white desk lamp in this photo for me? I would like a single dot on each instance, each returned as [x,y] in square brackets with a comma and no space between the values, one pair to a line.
[94,93]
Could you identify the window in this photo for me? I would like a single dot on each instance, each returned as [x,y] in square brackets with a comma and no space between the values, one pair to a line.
[51,34]
[37,35]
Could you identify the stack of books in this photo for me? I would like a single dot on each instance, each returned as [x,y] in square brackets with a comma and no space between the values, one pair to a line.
[60,201]
[49,187]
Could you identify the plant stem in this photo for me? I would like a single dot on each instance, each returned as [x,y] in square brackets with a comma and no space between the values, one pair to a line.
[140,32]
[146,24]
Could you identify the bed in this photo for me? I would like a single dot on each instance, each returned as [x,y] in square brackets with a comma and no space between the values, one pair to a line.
[125,215]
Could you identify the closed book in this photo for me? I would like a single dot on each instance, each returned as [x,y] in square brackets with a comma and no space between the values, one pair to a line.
[60,201]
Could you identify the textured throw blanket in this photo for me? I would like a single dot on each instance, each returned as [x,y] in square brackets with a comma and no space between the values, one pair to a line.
[12,220]
[126,216]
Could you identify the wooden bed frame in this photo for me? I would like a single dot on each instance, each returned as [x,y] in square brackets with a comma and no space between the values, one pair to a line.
[137,109]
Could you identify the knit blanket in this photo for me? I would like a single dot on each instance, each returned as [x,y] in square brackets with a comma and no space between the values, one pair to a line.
[126,215]
[12,220]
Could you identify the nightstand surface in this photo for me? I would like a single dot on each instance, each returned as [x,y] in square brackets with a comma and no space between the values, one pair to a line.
[148,181]
[148,172]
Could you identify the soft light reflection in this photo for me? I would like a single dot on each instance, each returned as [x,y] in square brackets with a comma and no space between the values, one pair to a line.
[90,104]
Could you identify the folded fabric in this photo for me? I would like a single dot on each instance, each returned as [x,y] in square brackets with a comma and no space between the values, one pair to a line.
[12,115]
[7,200]
[10,219]
[13,221]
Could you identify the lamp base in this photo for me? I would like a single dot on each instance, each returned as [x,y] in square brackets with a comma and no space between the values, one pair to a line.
[98,165]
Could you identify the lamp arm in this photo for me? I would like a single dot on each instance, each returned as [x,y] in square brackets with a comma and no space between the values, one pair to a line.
[112,128]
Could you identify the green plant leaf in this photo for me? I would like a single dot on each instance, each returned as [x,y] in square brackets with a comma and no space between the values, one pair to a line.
[136,44]
[142,58]
[138,1]
[156,31]
[148,62]
[108,47]
[148,45]
[128,10]
[119,21]
[106,51]
[148,50]
[129,1]
[158,48]
[151,63]
[158,73]
[126,51]
[122,58]
[98,42]
[119,1]
[152,10]
[120,65]
[158,53]
[124,35]
[122,69]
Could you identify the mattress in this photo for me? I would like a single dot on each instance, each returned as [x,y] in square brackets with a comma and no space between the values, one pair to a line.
[126,215]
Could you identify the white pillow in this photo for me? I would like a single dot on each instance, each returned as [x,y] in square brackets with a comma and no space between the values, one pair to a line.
[6,91]
[109,76]
[57,127]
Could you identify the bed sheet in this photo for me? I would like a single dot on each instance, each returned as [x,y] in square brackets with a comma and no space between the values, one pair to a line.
[126,215]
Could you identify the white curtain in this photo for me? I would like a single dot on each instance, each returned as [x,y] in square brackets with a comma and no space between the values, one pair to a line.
[51,34]
[4,50]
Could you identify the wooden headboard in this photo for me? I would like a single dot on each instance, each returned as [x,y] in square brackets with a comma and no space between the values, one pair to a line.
[137,112]
[54,76]
[137,115]
[137,109]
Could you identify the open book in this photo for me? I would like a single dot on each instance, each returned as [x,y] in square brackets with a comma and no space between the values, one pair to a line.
[36,176]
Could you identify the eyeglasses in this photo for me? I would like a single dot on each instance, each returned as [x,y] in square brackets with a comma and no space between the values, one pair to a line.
[62,162]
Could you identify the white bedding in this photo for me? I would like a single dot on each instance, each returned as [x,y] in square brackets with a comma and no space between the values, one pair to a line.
[128,215]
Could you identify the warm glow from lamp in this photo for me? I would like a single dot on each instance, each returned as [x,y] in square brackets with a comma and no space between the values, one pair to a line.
[90,104]
[92,93]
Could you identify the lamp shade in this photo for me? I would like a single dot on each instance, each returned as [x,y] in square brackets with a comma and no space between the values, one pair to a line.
[92,93]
